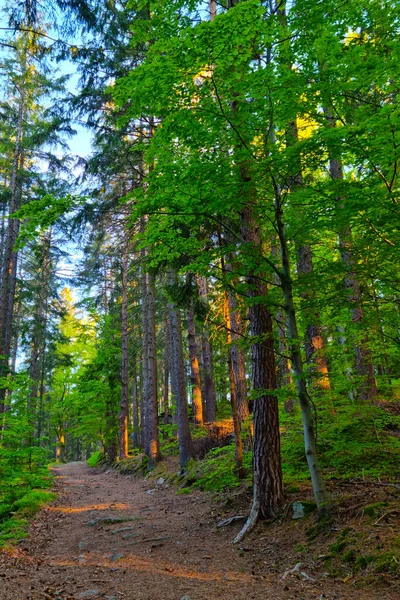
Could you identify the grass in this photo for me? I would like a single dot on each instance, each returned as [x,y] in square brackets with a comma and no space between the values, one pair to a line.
[14,519]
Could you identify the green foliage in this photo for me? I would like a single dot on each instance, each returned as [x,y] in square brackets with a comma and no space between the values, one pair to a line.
[32,502]
[95,458]
[353,441]
[216,472]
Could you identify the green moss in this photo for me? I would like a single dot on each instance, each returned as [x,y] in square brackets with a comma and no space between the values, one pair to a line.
[349,556]
[337,547]
[372,510]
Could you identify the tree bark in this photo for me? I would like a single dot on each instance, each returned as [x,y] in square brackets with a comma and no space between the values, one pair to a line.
[186,450]
[233,394]
[268,492]
[10,257]
[210,397]
[197,403]
[151,422]
[123,415]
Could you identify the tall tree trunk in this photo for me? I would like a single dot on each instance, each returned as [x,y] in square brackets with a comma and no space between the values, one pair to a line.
[10,257]
[197,402]
[135,407]
[186,450]
[238,359]
[123,415]
[321,496]
[363,363]
[167,370]
[151,401]
[268,492]
[233,394]
[210,397]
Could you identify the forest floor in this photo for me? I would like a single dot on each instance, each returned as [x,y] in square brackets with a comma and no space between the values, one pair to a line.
[116,537]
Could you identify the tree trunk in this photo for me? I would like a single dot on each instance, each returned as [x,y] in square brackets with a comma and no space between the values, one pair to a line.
[151,401]
[167,369]
[210,397]
[186,450]
[10,258]
[123,415]
[321,496]
[363,363]
[197,402]
[268,492]
[233,394]
[238,358]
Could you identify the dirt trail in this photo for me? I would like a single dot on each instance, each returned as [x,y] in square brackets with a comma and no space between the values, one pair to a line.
[113,537]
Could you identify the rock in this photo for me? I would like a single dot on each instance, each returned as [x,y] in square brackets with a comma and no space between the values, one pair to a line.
[301,509]
[81,558]
[117,556]
[298,510]
[160,481]
[185,597]
[151,491]
[88,594]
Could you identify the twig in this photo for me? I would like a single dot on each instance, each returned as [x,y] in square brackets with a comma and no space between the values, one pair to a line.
[389,512]
[156,539]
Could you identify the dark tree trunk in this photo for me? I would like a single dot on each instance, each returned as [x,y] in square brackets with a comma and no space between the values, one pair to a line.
[186,451]
[123,415]
[167,369]
[233,394]
[151,401]
[210,397]
[238,358]
[195,382]
[268,492]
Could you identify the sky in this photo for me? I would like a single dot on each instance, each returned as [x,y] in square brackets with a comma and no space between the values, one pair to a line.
[80,144]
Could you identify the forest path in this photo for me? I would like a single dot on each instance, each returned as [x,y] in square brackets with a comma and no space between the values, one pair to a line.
[114,537]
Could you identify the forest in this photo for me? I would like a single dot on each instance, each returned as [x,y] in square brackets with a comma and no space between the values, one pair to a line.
[217,279]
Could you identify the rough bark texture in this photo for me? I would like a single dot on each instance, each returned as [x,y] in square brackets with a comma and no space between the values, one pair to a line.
[238,359]
[233,394]
[210,397]
[10,258]
[123,415]
[186,451]
[166,374]
[151,428]
[268,492]
[197,403]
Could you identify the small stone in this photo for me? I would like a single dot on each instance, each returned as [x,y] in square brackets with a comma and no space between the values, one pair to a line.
[298,510]
[185,597]
[151,491]
[81,558]
[88,594]
[92,522]
[160,481]
[117,556]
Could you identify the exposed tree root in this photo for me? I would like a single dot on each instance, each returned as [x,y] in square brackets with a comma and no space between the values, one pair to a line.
[251,522]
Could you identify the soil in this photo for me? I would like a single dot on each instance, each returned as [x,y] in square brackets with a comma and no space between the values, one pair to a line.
[115,537]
